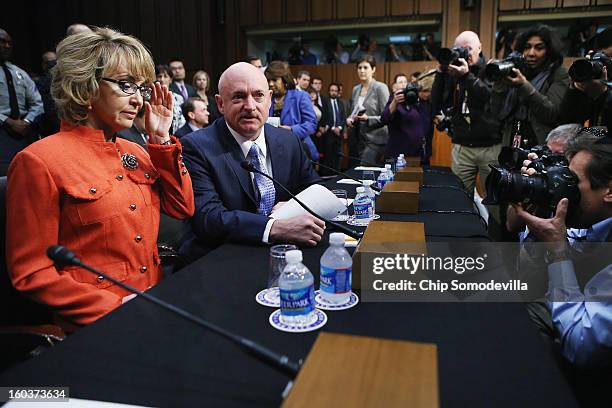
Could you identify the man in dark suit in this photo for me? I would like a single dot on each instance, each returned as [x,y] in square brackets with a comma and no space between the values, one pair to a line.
[196,114]
[137,132]
[333,120]
[233,205]
[178,85]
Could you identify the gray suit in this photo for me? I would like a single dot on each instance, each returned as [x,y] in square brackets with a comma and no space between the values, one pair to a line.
[373,134]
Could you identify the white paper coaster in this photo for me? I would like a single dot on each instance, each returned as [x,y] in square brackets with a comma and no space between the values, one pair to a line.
[322,304]
[269,297]
[319,319]
[351,221]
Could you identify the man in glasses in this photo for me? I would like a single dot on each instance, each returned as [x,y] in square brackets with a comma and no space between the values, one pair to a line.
[20,104]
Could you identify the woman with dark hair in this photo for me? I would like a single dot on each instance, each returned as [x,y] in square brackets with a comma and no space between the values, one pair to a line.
[528,101]
[163,73]
[293,107]
[368,102]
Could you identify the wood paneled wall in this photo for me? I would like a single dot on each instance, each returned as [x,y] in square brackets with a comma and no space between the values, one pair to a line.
[169,28]
[512,5]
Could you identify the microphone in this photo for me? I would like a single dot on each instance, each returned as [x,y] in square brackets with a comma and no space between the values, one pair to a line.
[375,188]
[63,256]
[251,169]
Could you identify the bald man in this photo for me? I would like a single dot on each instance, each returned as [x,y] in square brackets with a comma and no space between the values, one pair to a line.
[474,130]
[77,28]
[233,205]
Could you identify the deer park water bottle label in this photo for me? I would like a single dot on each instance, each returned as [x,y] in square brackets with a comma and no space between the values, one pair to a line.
[297,302]
[335,280]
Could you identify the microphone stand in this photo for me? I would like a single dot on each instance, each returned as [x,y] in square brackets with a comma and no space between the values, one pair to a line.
[262,353]
[353,234]
[375,188]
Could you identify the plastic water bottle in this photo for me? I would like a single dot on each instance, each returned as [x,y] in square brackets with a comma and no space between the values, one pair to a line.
[390,175]
[362,208]
[367,185]
[383,178]
[296,291]
[401,162]
[336,271]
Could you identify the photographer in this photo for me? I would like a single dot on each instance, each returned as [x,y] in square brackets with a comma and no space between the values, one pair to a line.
[590,95]
[528,100]
[474,130]
[403,119]
[578,314]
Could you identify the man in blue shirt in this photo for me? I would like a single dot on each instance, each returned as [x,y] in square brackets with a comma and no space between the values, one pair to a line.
[579,274]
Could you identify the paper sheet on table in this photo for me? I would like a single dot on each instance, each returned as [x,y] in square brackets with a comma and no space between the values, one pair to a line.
[316,197]
[364,168]
[348,181]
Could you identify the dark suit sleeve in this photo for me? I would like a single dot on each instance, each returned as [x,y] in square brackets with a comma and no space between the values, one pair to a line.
[213,222]
[308,176]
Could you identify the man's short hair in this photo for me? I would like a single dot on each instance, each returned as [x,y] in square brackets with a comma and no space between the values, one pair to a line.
[598,143]
[563,133]
[337,85]
[302,73]
[604,40]
[399,75]
[250,58]
[315,76]
[77,28]
[189,106]
[170,61]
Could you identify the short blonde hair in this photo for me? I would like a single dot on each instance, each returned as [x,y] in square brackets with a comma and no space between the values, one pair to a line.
[84,58]
[200,73]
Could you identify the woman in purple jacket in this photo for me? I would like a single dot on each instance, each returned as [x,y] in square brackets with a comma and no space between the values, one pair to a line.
[292,106]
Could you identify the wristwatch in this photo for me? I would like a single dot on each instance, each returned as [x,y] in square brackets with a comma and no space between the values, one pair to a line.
[557,256]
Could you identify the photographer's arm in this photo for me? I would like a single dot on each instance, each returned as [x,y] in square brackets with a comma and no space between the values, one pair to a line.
[545,107]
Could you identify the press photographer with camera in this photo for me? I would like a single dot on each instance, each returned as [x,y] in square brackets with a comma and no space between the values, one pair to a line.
[590,94]
[529,87]
[578,313]
[459,89]
[403,119]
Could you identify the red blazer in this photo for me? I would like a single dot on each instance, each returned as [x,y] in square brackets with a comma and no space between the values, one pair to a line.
[72,189]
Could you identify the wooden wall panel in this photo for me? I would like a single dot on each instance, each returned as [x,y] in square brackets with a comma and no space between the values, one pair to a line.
[326,72]
[322,9]
[347,8]
[441,149]
[297,11]
[346,74]
[488,28]
[451,22]
[374,8]
[271,11]
[604,2]
[511,5]
[430,6]
[575,3]
[402,7]
[249,12]
[535,4]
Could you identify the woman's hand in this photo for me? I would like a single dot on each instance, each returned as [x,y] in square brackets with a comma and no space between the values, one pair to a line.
[517,80]
[158,114]
[362,118]
[349,122]
[398,98]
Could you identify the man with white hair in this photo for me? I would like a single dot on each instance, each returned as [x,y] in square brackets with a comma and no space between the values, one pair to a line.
[233,205]
[474,130]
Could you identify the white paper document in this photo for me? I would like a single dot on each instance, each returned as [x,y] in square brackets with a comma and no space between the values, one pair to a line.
[316,197]
[364,168]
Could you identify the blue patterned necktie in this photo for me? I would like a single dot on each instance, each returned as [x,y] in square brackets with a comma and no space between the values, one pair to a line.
[267,193]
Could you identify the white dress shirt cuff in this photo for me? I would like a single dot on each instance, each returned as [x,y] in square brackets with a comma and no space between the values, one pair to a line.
[266,235]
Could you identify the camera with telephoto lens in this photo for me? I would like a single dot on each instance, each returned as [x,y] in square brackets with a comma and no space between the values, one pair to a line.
[544,189]
[548,160]
[448,56]
[512,158]
[411,94]
[498,69]
[446,122]
[588,69]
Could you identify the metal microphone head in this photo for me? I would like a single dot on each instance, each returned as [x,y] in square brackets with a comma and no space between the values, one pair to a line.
[245,164]
[62,256]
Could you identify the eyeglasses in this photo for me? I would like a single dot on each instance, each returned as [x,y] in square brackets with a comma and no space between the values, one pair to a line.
[130,88]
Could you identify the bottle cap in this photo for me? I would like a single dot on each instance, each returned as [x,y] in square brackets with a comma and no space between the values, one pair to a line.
[293,256]
[336,238]
[360,189]
[401,155]
[387,166]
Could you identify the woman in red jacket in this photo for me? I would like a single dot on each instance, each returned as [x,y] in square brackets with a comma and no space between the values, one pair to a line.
[94,193]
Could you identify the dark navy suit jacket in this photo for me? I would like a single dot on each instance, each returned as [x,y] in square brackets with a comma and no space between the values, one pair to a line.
[185,130]
[226,206]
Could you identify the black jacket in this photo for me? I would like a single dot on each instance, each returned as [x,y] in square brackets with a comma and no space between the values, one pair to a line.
[479,127]
[577,107]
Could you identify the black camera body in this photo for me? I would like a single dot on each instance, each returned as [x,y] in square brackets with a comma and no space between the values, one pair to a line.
[448,56]
[411,94]
[588,69]
[498,69]
[512,158]
[544,189]
[446,123]
[546,161]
